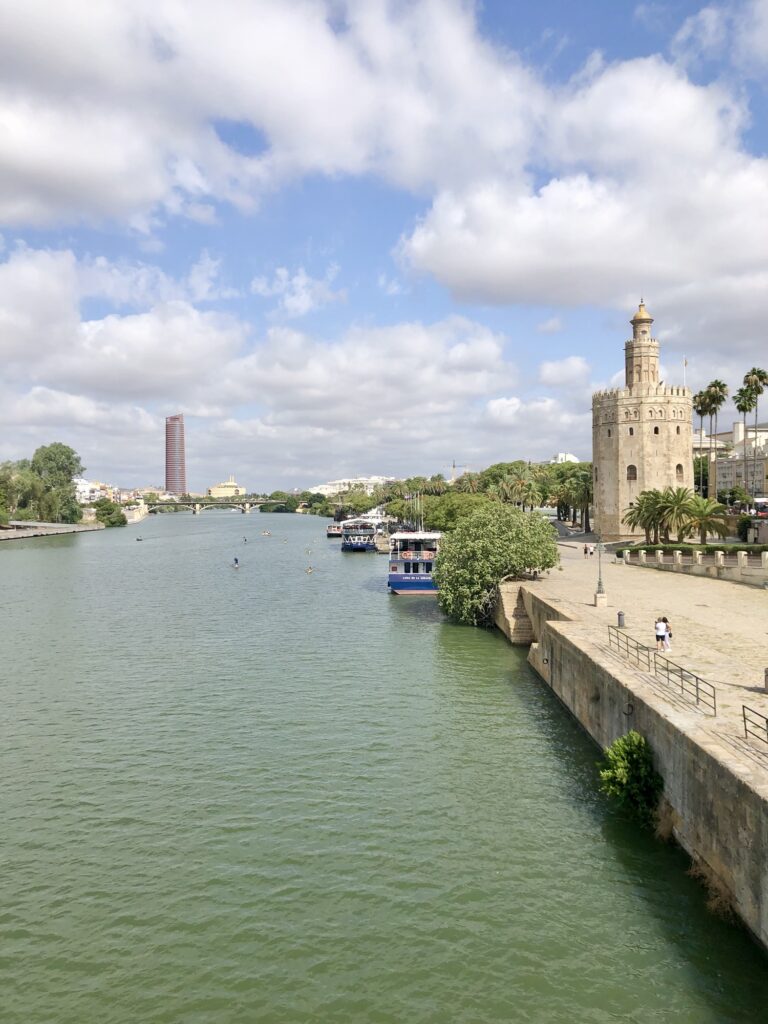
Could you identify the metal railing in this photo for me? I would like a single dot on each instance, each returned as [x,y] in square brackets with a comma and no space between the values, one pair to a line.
[631,648]
[690,686]
[755,724]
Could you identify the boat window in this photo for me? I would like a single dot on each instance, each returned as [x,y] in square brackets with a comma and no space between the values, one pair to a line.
[407,567]
[427,567]
[414,566]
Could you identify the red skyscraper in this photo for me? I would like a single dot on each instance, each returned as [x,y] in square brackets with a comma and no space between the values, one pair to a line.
[175,459]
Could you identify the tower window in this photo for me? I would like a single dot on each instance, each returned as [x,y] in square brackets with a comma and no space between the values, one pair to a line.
[631,431]
[655,430]
[678,430]
[632,472]
[609,431]
[679,472]
[650,413]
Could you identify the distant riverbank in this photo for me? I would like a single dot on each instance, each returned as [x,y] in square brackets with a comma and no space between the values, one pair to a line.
[22,530]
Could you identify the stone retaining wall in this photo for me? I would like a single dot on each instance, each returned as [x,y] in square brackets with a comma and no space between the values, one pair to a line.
[718,798]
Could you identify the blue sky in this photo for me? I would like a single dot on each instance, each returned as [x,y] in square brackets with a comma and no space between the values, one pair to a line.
[369,237]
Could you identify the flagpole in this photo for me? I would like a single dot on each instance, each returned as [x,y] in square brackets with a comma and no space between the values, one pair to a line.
[685,363]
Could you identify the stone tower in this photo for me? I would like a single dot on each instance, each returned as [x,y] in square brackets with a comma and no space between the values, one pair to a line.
[641,434]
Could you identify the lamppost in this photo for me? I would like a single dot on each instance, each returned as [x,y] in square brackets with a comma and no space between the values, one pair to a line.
[601,598]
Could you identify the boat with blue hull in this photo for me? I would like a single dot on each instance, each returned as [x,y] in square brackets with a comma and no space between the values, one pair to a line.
[358,535]
[411,561]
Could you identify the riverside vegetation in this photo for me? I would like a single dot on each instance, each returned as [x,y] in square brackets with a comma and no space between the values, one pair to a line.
[42,487]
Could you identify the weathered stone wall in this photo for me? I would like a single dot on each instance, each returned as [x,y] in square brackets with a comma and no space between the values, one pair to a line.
[719,807]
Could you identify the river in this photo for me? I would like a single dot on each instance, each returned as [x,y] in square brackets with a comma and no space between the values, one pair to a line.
[271,796]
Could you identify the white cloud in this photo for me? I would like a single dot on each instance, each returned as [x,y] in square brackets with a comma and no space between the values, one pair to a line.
[569,372]
[297,292]
[552,326]
[390,285]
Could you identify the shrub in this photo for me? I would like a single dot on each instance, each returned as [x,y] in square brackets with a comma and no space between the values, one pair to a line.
[627,773]
[742,527]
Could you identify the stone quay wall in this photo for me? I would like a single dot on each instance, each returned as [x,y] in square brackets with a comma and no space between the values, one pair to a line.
[718,799]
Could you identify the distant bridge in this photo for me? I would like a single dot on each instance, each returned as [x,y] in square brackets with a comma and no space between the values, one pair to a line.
[196,507]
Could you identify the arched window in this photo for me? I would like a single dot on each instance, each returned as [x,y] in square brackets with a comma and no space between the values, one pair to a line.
[661,414]
[595,474]
[635,414]
[609,431]
[678,430]
[650,413]
[679,473]
[655,430]
[632,472]
[631,431]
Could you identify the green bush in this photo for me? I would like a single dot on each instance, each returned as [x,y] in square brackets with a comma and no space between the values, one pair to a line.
[627,773]
[742,527]
[108,513]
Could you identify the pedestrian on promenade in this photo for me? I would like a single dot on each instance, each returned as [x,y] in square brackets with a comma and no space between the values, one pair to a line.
[586,550]
[591,550]
[660,628]
[667,635]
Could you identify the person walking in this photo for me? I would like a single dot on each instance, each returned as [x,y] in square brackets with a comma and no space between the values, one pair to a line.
[586,551]
[660,628]
[667,635]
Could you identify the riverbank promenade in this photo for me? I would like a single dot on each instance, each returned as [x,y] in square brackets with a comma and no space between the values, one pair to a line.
[720,629]
[25,529]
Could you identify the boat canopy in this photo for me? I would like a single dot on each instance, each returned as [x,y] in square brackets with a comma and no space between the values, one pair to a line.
[415,535]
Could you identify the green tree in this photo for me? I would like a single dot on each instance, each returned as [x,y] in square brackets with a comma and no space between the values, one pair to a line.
[717,392]
[627,773]
[675,511]
[756,380]
[701,408]
[57,465]
[446,512]
[494,543]
[707,516]
[108,513]
[745,401]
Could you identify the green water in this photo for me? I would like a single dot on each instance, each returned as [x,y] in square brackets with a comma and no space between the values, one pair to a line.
[268,796]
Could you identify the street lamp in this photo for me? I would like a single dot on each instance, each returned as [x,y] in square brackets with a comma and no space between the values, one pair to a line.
[601,598]
[600,550]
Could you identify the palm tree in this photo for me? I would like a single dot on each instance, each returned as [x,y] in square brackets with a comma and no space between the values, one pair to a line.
[757,381]
[701,408]
[634,519]
[674,509]
[468,483]
[717,390]
[745,401]
[707,516]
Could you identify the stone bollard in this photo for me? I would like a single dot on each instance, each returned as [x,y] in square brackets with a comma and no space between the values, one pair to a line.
[678,558]
[764,560]
[659,558]
[626,557]
[641,558]
[741,559]
[720,558]
[698,557]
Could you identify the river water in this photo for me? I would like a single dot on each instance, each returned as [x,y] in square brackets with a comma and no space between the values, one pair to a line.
[271,796]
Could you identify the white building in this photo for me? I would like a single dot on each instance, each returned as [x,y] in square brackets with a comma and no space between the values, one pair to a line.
[355,483]
[228,489]
[562,457]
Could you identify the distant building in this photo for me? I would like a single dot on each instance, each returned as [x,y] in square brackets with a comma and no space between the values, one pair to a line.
[175,455]
[228,489]
[562,457]
[641,434]
[355,483]
[727,472]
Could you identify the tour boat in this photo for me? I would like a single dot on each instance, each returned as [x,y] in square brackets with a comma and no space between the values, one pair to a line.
[411,561]
[333,531]
[358,535]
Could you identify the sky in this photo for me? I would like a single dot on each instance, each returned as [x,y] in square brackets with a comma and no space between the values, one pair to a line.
[357,237]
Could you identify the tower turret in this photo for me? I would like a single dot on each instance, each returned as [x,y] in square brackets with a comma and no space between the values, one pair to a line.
[641,353]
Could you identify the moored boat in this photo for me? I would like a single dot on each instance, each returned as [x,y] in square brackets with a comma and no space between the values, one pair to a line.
[358,535]
[411,561]
[333,531]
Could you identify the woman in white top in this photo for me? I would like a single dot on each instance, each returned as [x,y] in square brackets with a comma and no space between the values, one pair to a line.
[660,627]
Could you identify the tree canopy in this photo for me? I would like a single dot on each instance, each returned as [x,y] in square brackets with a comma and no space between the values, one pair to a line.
[495,542]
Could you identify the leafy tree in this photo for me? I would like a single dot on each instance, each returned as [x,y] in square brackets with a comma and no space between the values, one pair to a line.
[447,511]
[756,380]
[707,516]
[495,542]
[717,393]
[498,471]
[109,513]
[701,470]
[674,511]
[57,464]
